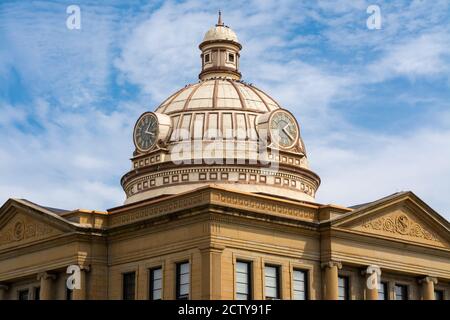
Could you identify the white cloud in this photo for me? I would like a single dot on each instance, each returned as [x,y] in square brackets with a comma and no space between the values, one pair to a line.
[425,55]
[71,66]
[76,157]
[372,165]
[75,160]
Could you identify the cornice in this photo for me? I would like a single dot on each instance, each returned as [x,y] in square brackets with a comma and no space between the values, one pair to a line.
[385,241]
[212,195]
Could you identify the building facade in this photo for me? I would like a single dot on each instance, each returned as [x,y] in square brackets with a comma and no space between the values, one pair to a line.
[220,204]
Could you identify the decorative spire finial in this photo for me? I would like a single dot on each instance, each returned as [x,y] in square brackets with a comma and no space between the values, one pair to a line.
[219,22]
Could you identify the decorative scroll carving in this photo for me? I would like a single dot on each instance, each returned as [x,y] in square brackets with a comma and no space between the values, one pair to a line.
[22,229]
[400,224]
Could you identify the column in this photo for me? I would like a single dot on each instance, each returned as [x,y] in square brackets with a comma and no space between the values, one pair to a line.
[80,294]
[372,274]
[3,289]
[46,285]
[211,272]
[428,287]
[330,281]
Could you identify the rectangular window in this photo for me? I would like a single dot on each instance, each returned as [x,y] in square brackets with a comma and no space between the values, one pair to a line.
[183,133]
[23,294]
[183,281]
[69,294]
[343,292]
[243,280]
[299,284]
[438,295]
[207,58]
[382,291]
[231,57]
[198,126]
[155,284]
[37,293]
[241,128]
[401,292]
[272,282]
[129,286]
[212,132]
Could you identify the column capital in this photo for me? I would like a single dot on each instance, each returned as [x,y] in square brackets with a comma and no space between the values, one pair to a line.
[371,270]
[46,276]
[86,268]
[331,264]
[428,279]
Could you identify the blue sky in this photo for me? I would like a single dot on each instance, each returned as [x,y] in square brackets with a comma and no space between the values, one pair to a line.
[373,105]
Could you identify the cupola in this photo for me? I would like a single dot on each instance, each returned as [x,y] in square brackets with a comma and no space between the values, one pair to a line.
[220,53]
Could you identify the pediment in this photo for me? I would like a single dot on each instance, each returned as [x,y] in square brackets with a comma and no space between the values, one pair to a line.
[403,219]
[21,225]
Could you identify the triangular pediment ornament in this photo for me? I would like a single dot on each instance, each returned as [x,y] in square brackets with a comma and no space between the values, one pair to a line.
[22,229]
[20,224]
[401,225]
[401,218]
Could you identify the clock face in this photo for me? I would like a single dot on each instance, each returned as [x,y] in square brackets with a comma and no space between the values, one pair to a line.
[146,132]
[283,129]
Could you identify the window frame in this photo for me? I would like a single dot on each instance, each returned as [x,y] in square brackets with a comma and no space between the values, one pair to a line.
[402,285]
[277,282]
[22,291]
[69,294]
[207,54]
[441,292]
[124,274]
[249,278]
[178,275]
[151,282]
[346,287]
[385,286]
[305,282]
[37,293]
[231,54]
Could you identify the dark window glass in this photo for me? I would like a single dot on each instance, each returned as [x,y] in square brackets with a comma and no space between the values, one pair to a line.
[23,294]
[37,293]
[299,284]
[207,57]
[343,288]
[183,280]
[401,292]
[383,291]
[69,294]
[243,280]
[129,286]
[272,282]
[231,57]
[438,295]
[156,283]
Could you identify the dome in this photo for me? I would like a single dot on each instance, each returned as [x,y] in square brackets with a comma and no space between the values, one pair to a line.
[220,33]
[219,131]
[215,104]
[216,94]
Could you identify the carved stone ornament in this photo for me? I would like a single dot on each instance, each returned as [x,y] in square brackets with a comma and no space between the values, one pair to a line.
[400,224]
[22,229]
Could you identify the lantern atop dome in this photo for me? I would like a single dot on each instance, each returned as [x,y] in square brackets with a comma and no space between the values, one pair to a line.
[220,53]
